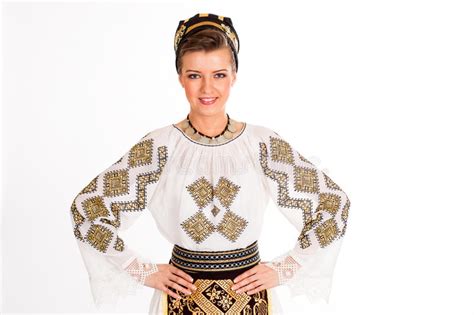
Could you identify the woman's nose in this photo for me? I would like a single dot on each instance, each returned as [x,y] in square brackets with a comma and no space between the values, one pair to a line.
[206,85]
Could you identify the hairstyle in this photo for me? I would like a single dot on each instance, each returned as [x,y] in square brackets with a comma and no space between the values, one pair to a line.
[205,40]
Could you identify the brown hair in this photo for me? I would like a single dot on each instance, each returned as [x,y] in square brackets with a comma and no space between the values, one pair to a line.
[208,40]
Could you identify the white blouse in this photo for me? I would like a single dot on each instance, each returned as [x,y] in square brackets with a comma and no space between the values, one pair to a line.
[209,197]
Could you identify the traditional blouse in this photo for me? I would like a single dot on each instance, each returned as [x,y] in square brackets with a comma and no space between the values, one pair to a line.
[209,197]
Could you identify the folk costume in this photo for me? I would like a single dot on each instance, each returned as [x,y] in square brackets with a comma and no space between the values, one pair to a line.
[207,196]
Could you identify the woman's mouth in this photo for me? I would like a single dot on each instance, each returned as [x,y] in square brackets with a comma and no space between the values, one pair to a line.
[207,100]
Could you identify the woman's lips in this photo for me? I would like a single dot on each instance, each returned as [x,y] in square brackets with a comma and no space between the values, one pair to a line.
[207,100]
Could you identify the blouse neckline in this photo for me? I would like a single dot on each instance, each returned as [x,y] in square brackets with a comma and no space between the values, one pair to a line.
[244,127]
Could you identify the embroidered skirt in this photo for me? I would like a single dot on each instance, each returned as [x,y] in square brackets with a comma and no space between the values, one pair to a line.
[213,273]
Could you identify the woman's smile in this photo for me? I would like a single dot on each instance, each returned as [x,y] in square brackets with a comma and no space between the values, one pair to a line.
[207,100]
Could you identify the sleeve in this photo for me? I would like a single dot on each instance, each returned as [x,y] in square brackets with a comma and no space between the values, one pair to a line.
[111,202]
[316,206]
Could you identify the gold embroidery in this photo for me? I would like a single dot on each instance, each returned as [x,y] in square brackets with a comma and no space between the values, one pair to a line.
[91,187]
[327,232]
[226,191]
[99,237]
[201,191]
[198,227]
[119,244]
[231,226]
[306,179]
[116,183]
[94,208]
[141,154]
[216,297]
[281,151]
[329,203]
[215,211]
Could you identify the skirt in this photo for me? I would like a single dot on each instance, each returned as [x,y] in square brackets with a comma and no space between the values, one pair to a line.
[213,273]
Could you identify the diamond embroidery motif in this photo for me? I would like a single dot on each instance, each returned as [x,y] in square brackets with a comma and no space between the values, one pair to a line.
[99,237]
[329,203]
[226,191]
[198,227]
[94,208]
[306,179]
[201,191]
[215,211]
[327,232]
[231,226]
[116,183]
[281,151]
[141,154]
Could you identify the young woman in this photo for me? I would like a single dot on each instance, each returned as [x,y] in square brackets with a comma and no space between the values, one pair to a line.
[207,181]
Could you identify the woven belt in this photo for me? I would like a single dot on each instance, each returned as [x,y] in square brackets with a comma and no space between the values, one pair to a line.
[215,260]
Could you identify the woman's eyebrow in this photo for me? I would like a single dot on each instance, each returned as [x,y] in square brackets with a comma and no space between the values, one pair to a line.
[200,72]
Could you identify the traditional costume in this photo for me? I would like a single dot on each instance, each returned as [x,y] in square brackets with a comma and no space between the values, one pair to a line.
[207,196]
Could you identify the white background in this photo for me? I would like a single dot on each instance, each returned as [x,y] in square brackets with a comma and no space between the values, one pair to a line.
[377,93]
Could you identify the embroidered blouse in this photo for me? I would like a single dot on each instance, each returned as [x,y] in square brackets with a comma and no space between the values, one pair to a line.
[209,197]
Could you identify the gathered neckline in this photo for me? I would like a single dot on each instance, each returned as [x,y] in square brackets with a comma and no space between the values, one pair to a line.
[244,127]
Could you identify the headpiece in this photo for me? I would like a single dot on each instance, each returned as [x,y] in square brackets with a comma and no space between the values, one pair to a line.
[206,20]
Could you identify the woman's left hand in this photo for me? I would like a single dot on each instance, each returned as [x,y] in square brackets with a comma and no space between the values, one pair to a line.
[256,279]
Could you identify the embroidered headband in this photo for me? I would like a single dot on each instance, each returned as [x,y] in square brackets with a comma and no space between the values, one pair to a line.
[206,20]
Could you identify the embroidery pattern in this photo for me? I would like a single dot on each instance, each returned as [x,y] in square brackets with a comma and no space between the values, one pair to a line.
[305,180]
[216,297]
[103,216]
[198,227]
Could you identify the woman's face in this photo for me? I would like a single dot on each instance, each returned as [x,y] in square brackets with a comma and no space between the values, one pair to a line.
[207,78]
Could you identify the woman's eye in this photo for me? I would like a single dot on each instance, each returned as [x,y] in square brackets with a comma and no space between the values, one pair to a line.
[221,75]
[191,76]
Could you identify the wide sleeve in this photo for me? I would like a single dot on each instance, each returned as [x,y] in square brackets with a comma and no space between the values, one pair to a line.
[316,206]
[111,202]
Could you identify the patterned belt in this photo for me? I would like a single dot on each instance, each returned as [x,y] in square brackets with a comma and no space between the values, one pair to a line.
[215,261]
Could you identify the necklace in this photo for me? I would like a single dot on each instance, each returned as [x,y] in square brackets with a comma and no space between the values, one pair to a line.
[226,134]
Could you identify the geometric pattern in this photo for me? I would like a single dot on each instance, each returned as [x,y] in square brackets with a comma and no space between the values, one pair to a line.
[320,194]
[215,211]
[99,237]
[201,191]
[225,191]
[231,226]
[215,296]
[198,227]
[116,183]
[124,189]
[281,151]
[306,179]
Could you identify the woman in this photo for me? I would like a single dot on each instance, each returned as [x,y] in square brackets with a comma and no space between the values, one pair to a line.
[207,180]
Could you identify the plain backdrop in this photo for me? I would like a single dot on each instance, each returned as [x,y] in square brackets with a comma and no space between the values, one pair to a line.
[376,93]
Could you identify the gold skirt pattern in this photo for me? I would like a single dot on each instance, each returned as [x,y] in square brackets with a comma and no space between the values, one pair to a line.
[213,274]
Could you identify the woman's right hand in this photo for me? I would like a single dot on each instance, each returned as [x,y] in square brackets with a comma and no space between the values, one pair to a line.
[169,276]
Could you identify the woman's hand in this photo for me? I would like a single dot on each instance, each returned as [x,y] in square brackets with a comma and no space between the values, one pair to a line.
[170,276]
[256,279]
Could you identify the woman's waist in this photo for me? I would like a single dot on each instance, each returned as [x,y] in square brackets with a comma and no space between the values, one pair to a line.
[215,264]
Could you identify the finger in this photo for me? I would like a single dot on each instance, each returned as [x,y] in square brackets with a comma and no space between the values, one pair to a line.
[181,273]
[246,281]
[245,274]
[256,289]
[182,281]
[170,292]
[249,287]
[177,287]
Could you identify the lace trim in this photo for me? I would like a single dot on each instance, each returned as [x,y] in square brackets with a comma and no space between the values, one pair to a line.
[140,271]
[286,267]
